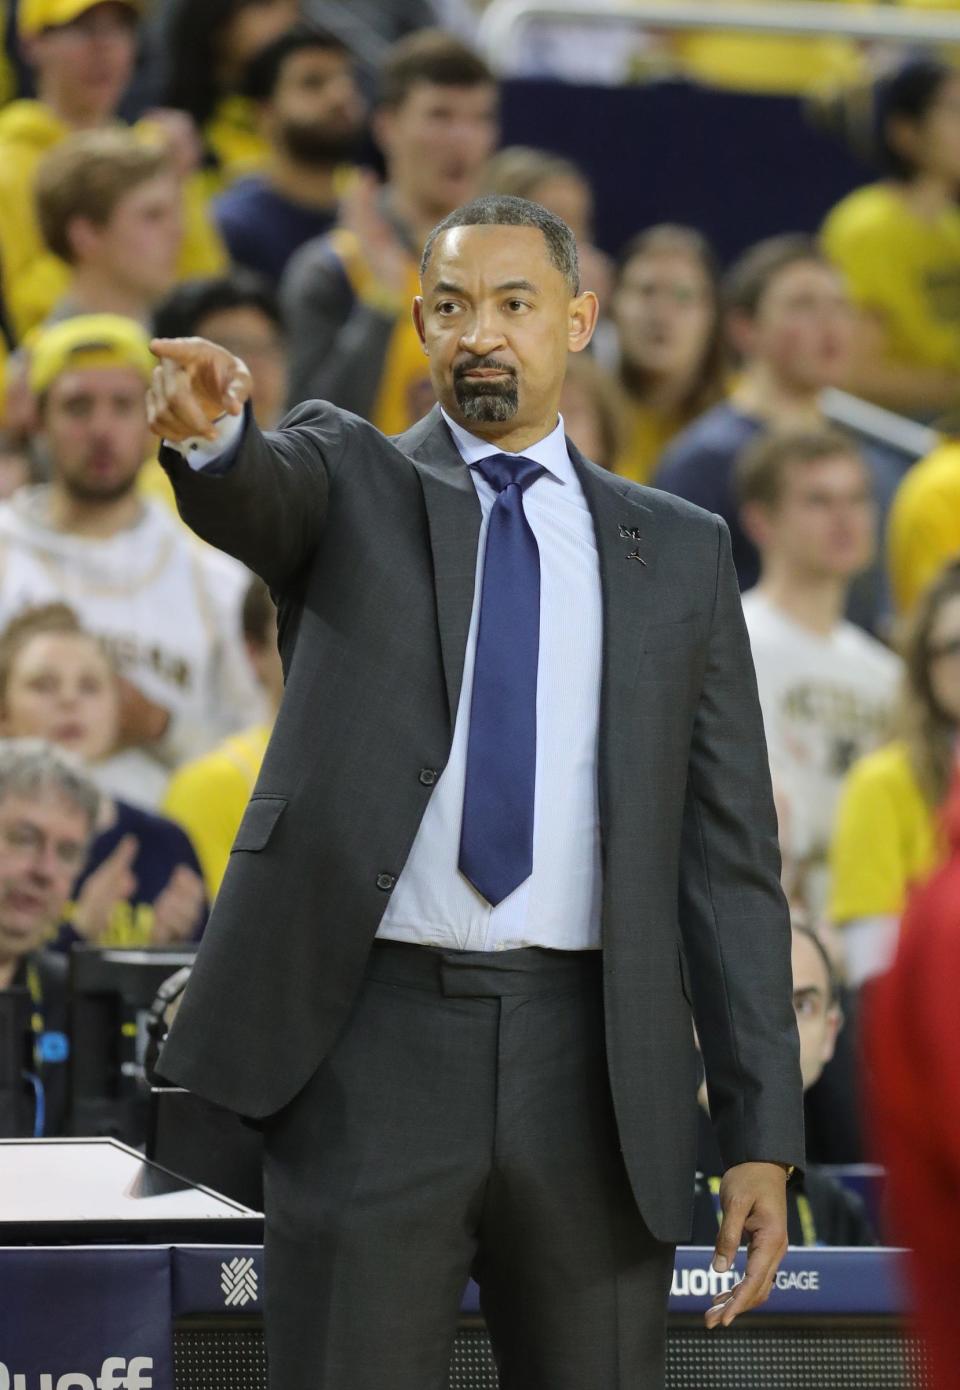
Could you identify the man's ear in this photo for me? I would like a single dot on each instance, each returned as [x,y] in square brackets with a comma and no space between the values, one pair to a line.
[755,522]
[418,323]
[582,315]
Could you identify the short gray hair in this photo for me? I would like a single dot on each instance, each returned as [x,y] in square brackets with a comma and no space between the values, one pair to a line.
[32,767]
[503,210]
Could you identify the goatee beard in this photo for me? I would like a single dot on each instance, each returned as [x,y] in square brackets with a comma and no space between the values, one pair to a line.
[485,402]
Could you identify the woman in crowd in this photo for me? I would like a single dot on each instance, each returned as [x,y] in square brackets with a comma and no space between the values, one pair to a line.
[141,884]
[898,243]
[888,836]
[592,407]
[666,308]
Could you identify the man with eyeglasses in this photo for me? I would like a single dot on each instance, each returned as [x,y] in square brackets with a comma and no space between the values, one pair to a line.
[47,813]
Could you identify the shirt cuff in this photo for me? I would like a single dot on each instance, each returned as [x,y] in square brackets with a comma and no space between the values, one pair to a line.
[200,453]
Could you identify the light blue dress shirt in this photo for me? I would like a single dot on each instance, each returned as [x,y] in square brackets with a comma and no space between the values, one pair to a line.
[559,904]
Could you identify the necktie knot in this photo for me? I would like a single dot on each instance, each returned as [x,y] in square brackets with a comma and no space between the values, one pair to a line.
[500,470]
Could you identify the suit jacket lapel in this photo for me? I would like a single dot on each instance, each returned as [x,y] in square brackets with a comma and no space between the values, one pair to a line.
[453,517]
[627,550]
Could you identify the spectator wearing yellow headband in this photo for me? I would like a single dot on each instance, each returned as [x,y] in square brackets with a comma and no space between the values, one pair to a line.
[82,53]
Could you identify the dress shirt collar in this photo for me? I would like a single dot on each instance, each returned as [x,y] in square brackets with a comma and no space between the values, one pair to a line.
[550,451]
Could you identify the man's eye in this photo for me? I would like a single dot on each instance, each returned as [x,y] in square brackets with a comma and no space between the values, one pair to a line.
[446,307]
[517,305]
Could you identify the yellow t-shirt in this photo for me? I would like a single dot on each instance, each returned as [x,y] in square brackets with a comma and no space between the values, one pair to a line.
[902,269]
[233,135]
[208,797]
[923,529]
[33,278]
[886,838]
[647,433]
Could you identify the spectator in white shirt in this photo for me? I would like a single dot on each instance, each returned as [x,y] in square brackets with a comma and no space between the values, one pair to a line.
[826,687]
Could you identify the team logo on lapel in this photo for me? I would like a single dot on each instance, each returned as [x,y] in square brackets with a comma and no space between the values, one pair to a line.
[631,533]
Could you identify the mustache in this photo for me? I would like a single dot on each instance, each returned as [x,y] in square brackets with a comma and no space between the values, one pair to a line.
[487,363]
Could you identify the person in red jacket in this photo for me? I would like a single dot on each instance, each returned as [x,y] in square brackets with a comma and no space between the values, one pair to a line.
[912,1041]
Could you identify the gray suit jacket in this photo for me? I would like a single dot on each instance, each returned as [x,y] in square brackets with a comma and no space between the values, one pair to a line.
[369,546]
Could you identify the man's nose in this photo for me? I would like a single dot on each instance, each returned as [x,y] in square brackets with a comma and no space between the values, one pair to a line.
[482,334]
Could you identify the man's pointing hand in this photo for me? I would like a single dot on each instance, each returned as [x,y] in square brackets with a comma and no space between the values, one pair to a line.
[195,384]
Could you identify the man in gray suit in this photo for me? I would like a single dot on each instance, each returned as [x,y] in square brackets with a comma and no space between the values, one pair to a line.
[513,825]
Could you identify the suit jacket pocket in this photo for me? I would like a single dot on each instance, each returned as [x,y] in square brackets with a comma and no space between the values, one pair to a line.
[677,635]
[258,822]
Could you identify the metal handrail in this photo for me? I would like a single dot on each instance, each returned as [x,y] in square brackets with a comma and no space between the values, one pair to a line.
[503,18]
[873,422]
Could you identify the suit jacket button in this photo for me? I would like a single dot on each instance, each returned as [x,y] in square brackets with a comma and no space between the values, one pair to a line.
[386,881]
[427,776]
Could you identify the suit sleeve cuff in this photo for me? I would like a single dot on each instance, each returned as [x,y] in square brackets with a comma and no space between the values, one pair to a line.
[201,454]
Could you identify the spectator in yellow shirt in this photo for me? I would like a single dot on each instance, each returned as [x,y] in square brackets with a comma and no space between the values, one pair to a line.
[666,309]
[924,525]
[209,796]
[82,53]
[898,243]
[886,836]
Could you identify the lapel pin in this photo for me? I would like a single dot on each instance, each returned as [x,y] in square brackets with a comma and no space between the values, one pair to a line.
[629,533]
[635,555]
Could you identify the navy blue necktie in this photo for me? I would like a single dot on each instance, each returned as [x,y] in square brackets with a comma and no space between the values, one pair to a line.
[496,837]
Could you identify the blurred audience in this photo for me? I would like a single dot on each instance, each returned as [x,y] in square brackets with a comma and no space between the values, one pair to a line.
[82,54]
[888,834]
[827,688]
[564,189]
[593,410]
[141,884]
[346,297]
[311,113]
[898,244]
[789,322]
[923,531]
[240,312]
[666,309]
[109,207]
[208,796]
[820,1210]
[202,52]
[48,808]
[168,606]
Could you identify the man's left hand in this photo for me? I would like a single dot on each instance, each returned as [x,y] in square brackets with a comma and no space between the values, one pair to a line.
[754,1204]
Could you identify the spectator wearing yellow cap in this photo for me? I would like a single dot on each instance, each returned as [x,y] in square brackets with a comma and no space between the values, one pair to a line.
[168,609]
[82,53]
[110,207]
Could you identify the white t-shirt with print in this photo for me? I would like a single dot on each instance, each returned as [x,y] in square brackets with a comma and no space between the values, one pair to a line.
[826,701]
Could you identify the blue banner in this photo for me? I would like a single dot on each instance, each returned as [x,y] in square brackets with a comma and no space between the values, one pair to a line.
[97,1318]
[818,1280]
[836,1281]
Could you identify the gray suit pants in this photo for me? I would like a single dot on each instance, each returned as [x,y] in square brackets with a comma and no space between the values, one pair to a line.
[461,1124]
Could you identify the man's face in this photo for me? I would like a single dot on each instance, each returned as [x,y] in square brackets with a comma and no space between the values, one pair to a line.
[497,320]
[249,334]
[803,327]
[43,845]
[824,522]
[664,312]
[316,113]
[437,142]
[818,1021]
[86,66]
[140,242]
[95,429]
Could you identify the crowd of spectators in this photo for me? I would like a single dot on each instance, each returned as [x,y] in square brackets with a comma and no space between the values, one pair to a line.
[271,191]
